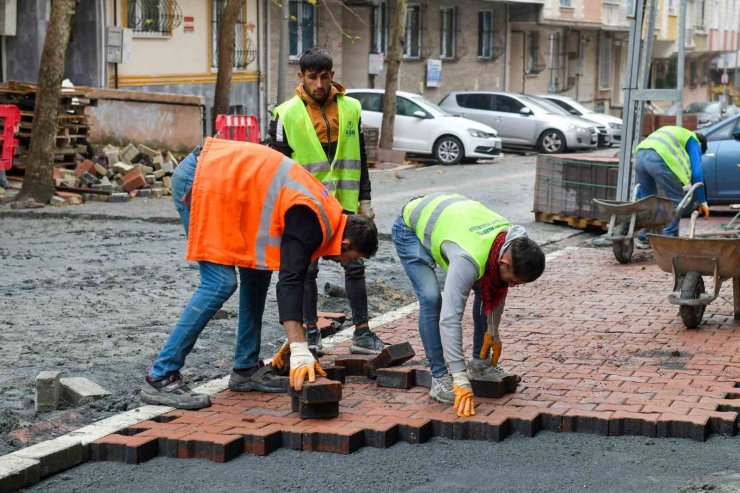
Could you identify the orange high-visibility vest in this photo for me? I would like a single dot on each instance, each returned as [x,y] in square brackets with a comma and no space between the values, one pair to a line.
[241,192]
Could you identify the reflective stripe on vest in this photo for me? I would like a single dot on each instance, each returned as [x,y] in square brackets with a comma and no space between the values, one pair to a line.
[670,144]
[441,217]
[342,176]
[280,181]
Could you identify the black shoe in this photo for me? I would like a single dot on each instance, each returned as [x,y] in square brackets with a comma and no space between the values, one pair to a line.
[263,378]
[313,337]
[366,343]
[172,391]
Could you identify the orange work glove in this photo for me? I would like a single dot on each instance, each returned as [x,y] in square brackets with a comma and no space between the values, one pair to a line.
[302,365]
[278,361]
[488,344]
[703,210]
[464,404]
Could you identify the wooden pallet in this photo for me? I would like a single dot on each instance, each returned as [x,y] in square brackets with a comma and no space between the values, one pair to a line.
[573,222]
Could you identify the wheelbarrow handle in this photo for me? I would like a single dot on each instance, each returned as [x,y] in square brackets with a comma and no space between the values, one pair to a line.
[687,198]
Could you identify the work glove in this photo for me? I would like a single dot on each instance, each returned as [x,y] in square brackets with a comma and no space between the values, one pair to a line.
[279,360]
[302,365]
[464,405]
[489,343]
[366,209]
[703,210]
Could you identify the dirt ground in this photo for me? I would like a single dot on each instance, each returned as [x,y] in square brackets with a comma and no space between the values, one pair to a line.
[97,298]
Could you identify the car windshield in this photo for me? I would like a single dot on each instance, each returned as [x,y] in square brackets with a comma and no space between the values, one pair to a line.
[578,106]
[429,106]
[697,108]
[544,106]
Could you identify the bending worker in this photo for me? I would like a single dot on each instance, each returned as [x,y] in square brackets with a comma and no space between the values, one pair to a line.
[320,128]
[253,208]
[479,250]
[670,158]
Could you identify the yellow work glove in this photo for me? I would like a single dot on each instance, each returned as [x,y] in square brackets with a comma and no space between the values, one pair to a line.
[302,365]
[464,404]
[703,210]
[488,344]
[278,361]
[366,209]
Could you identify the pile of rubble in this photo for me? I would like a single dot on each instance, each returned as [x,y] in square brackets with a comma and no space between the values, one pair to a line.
[116,175]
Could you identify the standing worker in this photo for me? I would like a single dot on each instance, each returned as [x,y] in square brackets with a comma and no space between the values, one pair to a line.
[479,250]
[320,128]
[248,206]
[670,158]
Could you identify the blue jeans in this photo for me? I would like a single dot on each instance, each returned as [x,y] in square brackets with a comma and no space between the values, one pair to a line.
[217,284]
[419,266]
[652,172]
[3,179]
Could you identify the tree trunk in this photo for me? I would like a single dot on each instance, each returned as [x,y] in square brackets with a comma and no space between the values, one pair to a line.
[226,41]
[38,183]
[395,54]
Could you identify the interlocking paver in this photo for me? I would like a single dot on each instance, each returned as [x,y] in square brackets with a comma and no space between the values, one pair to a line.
[597,346]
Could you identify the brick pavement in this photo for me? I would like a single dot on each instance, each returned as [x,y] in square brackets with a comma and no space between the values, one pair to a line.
[597,345]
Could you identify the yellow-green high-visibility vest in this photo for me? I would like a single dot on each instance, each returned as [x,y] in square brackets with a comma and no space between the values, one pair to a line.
[670,143]
[441,217]
[341,176]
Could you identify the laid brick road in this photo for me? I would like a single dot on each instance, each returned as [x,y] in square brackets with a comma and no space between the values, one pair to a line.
[597,345]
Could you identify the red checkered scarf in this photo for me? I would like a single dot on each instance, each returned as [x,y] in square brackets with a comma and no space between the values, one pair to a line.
[493,290]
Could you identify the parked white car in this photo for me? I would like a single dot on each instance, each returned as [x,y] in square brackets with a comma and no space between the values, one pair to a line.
[612,123]
[421,127]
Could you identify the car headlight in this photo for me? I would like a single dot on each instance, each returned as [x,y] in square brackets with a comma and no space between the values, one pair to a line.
[577,128]
[615,126]
[480,133]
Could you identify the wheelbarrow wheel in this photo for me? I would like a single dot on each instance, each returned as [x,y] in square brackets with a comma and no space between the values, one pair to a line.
[623,248]
[692,287]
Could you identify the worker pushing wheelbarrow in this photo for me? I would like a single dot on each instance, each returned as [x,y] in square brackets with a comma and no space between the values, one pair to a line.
[628,218]
[710,254]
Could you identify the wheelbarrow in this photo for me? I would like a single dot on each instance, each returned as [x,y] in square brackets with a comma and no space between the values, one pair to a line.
[709,254]
[629,217]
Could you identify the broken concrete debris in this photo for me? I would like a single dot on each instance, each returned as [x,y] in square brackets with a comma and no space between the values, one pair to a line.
[77,391]
[48,390]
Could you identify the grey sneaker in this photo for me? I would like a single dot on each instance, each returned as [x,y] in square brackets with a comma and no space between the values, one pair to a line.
[481,369]
[263,379]
[172,391]
[442,390]
[313,337]
[367,343]
[642,245]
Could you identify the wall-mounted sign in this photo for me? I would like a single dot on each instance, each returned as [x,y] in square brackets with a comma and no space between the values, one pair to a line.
[118,47]
[434,72]
[188,24]
[375,63]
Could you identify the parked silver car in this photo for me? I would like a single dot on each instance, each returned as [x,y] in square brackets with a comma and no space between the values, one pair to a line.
[523,121]
[612,125]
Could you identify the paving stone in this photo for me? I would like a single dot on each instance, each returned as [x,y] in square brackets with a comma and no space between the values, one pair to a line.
[149,151]
[168,441]
[144,192]
[423,377]
[122,168]
[18,472]
[48,391]
[321,391]
[397,378]
[324,410]
[262,441]
[121,448]
[336,373]
[679,426]
[494,388]
[393,355]
[120,197]
[380,435]
[84,167]
[57,201]
[586,422]
[80,390]
[128,153]
[218,448]
[55,455]
[168,167]
[415,430]
[100,170]
[133,179]
[335,440]
[354,364]
[640,424]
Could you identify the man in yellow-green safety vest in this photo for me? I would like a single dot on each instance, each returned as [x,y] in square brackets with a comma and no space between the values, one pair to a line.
[479,250]
[320,128]
[670,158]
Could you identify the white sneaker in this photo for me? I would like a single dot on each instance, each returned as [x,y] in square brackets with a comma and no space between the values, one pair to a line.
[442,390]
[642,245]
[481,369]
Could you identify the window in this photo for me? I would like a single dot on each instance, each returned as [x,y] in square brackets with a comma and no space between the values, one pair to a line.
[370,101]
[565,3]
[565,106]
[412,36]
[722,133]
[302,27]
[605,62]
[630,8]
[699,15]
[533,52]
[693,74]
[447,28]
[380,28]
[506,104]
[485,34]
[476,101]
[672,7]
[406,107]
[244,52]
[155,17]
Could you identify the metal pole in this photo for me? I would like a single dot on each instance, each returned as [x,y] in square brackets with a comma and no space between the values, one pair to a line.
[681,60]
[283,55]
[736,82]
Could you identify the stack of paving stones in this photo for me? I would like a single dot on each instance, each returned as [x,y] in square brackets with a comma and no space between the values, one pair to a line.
[603,354]
[116,175]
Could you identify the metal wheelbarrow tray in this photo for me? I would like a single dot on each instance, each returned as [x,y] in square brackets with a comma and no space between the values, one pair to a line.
[691,258]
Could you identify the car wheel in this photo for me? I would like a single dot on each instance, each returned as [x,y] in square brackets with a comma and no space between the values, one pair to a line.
[551,142]
[448,150]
